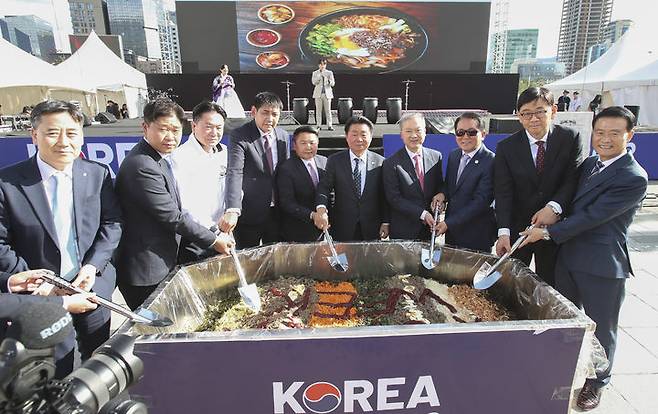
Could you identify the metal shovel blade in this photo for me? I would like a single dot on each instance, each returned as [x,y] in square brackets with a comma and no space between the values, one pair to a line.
[483,279]
[429,262]
[154,319]
[248,291]
[337,261]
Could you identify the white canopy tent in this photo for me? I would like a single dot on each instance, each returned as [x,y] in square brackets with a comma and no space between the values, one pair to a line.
[27,80]
[627,74]
[97,67]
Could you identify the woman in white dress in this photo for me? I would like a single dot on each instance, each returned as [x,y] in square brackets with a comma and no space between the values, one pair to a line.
[223,94]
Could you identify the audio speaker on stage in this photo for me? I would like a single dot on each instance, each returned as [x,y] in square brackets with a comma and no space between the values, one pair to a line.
[105,118]
[507,125]
[86,121]
[635,109]
[393,110]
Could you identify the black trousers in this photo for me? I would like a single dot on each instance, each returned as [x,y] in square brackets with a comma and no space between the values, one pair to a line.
[92,329]
[545,252]
[251,235]
[601,298]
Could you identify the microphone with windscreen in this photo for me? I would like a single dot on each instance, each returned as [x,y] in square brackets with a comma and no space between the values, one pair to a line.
[40,325]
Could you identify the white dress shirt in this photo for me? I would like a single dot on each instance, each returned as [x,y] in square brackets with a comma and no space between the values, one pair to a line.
[607,163]
[201,178]
[273,145]
[47,172]
[412,155]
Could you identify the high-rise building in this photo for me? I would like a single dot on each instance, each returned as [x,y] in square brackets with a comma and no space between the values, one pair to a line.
[87,16]
[169,44]
[583,25]
[616,29]
[520,44]
[547,69]
[32,34]
[137,23]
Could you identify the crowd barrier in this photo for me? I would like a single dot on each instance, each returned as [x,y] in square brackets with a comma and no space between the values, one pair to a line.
[112,150]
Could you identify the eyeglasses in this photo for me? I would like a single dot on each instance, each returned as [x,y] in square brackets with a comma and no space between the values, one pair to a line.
[539,114]
[472,132]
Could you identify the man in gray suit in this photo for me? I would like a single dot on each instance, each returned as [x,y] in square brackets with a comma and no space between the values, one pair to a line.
[412,177]
[354,176]
[256,149]
[323,79]
[593,261]
[59,212]
[154,219]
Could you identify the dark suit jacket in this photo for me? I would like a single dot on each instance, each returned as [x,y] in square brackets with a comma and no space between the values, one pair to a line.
[470,217]
[403,192]
[28,239]
[296,194]
[154,222]
[370,210]
[248,172]
[519,191]
[593,237]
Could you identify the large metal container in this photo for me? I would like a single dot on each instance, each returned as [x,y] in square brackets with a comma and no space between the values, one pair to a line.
[524,366]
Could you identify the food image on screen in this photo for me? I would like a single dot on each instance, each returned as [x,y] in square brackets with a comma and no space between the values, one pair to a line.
[273,60]
[366,39]
[276,14]
[263,38]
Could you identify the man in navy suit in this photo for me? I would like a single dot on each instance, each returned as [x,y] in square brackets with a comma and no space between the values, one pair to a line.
[412,177]
[354,176]
[593,261]
[535,177]
[59,212]
[296,182]
[256,150]
[470,220]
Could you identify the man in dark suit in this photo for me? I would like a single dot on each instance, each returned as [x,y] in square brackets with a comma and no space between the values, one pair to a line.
[470,220]
[296,182]
[535,178]
[256,150]
[154,221]
[593,262]
[354,176]
[412,176]
[59,212]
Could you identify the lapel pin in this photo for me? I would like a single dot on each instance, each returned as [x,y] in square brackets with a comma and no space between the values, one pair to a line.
[477,161]
[84,174]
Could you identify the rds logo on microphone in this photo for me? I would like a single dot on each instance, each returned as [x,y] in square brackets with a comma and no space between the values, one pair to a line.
[359,395]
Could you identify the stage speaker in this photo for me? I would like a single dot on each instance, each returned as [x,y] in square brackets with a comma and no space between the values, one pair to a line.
[300,110]
[393,110]
[370,109]
[504,125]
[344,110]
[86,121]
[635,109]
[105,118]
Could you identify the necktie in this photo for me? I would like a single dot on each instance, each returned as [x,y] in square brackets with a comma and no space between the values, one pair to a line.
[419,171]
[462,164]
[268,152]
[541,152]
[356,176]
[63,217]
[596,169]
[313,173]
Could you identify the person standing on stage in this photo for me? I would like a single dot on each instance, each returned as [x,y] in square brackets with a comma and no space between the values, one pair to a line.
[224,95]
[323,79]
[563,102]
[576,103]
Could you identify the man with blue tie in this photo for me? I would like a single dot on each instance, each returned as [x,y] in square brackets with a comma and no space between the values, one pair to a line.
[412,176]
[354,176]
[59,212]
[470,221]
[593,261]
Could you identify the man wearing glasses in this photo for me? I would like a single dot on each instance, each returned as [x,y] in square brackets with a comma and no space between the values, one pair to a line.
[535,178]
[470,220]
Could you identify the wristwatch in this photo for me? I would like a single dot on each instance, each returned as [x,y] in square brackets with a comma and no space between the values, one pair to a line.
[545,234]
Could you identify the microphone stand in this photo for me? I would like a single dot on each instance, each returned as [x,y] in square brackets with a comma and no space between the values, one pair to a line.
[407,83]
[288,115]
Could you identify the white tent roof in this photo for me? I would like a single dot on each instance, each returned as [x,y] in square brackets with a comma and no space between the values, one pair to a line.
[635,49]
[23,69]
[647,75]
[96,66]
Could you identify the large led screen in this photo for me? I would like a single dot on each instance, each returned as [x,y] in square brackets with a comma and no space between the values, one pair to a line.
[368,37]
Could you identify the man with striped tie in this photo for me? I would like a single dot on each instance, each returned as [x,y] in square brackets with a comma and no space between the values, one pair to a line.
[412,177]
[359,211]
[296,183]
[593,262]
[59,212]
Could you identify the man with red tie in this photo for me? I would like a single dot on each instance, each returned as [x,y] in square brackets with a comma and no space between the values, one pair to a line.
[296,182]
[412,177]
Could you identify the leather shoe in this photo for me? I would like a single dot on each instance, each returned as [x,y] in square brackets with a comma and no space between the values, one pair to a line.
[330,128]
[589,396]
